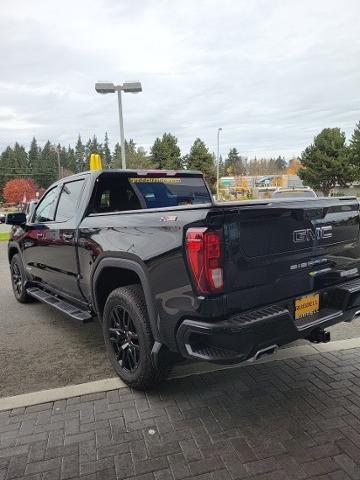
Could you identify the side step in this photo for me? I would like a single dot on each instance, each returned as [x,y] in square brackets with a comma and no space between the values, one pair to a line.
[74,312]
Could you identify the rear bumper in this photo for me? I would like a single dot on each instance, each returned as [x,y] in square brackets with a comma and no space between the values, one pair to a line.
[241,336]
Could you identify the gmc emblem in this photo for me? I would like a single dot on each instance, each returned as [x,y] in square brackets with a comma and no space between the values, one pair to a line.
[309,235]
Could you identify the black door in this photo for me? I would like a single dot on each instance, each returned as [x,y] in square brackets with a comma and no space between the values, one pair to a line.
[64,262]
[50,253]
[40,234]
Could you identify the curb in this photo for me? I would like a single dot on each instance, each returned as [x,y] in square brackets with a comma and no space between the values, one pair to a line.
[181,371]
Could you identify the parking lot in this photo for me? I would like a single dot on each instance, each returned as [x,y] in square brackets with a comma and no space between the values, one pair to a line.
[41,348]
[4,228]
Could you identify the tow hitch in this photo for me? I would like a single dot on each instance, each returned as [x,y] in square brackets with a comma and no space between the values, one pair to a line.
[319,336]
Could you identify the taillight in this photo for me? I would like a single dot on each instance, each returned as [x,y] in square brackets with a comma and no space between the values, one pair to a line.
[204,254]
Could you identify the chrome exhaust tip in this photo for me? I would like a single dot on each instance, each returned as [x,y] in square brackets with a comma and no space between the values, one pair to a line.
[264,351]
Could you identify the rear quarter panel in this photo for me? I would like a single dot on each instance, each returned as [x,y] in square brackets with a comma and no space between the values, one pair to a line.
[156,238]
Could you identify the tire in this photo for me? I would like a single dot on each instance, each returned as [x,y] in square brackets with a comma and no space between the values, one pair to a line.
[18,279]
[128,339]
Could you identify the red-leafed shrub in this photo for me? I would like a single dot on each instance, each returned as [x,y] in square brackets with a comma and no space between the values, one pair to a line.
[17,188]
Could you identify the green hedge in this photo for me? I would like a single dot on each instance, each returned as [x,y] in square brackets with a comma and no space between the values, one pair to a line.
[4,236]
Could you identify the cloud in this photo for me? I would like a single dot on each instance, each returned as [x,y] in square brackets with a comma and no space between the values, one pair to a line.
[271,73]
[11,120]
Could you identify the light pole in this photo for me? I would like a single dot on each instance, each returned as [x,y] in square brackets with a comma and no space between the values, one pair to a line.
[218,163]
[127,87]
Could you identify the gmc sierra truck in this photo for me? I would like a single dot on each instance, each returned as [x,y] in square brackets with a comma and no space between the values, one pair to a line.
[172,274]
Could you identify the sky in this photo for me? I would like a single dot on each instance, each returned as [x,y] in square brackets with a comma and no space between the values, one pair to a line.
[271,73]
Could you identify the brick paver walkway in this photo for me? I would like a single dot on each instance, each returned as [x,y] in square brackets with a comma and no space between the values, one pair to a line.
[291,419]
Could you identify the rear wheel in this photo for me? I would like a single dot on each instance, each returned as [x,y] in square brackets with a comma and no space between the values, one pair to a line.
[18,279]
[128,338]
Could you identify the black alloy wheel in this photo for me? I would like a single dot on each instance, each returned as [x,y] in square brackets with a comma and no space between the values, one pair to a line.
[129,340]
[16,278]
[124,339]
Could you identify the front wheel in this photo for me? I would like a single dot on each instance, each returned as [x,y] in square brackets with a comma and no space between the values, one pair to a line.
[128,338]
[18,279]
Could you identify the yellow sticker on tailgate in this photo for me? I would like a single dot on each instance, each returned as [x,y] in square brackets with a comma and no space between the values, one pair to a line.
[307,305]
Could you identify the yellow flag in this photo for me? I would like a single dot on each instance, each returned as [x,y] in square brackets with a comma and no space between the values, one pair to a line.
[95,162]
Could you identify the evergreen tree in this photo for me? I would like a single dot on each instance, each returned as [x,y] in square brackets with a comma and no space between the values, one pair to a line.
[92,146]
[49,170]
[116,156]
[33,155]
[234,163]
[130,147]
[71,159]
[63,159]
[4,169]
[165,153]
[17,162]
[136,156]
[326,163]
[201,159]
[106,152]
[88,152]
[280,164]
[80,155]
[354,150]
[36,165]
[95,146]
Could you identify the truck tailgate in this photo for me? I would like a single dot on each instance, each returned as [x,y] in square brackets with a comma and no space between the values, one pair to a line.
[281,249]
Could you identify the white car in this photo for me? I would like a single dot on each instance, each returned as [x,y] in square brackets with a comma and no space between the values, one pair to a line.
[298,192]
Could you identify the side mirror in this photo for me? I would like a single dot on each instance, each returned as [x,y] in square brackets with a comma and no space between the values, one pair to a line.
[16,218]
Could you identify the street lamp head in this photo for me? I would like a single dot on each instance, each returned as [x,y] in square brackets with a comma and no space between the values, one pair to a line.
[132,87]
[220,129]
[126,87]
[105,87]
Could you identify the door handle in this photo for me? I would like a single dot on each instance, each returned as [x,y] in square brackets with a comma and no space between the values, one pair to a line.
[68,236]
[40,235]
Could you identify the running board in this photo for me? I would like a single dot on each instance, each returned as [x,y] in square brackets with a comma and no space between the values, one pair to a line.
[74,312]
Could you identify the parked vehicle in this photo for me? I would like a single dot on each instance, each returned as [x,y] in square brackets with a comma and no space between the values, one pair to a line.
[171,274]
[303,192]
[2,217]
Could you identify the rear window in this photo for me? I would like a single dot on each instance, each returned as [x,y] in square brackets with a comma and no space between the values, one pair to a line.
[170,192]
[115,192]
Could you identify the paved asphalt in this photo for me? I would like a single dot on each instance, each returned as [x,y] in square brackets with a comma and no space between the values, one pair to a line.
[4,228]
[41,348]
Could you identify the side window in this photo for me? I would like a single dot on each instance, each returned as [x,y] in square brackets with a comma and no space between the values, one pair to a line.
[45,211]
[105,200]
[69,198]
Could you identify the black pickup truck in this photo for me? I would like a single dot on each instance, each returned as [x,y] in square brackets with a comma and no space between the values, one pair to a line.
[171,274]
